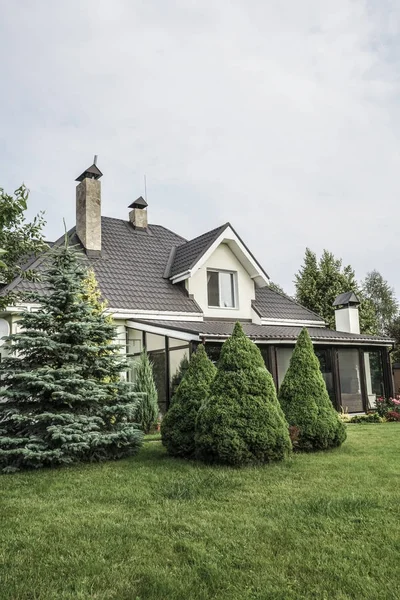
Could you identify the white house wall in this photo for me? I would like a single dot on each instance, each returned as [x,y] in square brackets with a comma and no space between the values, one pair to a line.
[12,328]
[223,259]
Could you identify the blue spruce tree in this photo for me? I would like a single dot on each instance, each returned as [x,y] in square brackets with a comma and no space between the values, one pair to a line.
[62,400]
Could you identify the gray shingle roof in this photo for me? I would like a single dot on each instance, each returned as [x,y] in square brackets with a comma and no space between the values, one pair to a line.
[130,270]
[290,333]
[273,305]
[187,254]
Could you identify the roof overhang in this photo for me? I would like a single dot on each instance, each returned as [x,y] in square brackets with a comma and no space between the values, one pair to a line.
[215,338]
[229,237]
[166,331]
[150,315]
[191,331]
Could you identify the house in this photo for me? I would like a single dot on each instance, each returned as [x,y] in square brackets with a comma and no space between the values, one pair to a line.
[168,294]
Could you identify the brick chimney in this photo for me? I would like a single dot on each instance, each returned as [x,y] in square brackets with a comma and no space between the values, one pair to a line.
[88,210]
[138,214]
[347,318]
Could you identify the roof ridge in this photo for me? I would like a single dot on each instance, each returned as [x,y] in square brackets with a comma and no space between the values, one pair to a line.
[220,228]
[150,225]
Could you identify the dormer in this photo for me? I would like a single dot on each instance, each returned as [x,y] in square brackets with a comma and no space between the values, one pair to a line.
[220,273]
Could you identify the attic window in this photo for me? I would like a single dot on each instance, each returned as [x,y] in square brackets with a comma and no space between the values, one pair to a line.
[221,289]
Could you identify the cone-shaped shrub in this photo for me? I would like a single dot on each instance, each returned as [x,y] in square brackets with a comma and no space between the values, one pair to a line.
[242,421]
[147,411]
[178,425]
[306,403]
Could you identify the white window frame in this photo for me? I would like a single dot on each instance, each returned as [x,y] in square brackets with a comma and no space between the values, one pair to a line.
[235,289]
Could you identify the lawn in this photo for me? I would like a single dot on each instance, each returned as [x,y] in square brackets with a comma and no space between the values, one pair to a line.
[321,526]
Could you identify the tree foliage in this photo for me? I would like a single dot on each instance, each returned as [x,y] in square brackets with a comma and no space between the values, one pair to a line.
[241,422]
[383,297]
[19,239]
[61,401]
[277,288]
[147,411]
[306,403]
[178,425]
[92,293]
[2,264]
[394,332]
[318,283]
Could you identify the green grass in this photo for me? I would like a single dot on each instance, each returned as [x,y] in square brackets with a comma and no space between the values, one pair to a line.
[152,437]
[321,526]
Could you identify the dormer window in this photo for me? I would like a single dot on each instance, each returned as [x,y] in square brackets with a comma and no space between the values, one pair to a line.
[221,289]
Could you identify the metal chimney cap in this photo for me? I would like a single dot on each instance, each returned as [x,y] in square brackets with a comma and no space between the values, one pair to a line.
[92,172]
[346,299]
[139,203]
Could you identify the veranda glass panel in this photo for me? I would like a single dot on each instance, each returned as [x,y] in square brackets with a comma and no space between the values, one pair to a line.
[325,364]
[154,342]
[283,356]
[350,380]
[175,359]
[266,356]
[135,341]
[374,377]
[159,373]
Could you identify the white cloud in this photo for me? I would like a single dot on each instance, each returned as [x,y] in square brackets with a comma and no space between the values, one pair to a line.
[281,117]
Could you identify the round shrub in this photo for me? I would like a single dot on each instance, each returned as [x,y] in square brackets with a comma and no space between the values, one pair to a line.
[241,422]
[178,425]
[306,403]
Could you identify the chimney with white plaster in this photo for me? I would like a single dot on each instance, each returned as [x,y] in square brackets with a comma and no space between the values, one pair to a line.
[347,318]
[88,209]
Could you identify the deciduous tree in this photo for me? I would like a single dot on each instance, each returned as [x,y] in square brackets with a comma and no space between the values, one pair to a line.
[383,297]
[20,239]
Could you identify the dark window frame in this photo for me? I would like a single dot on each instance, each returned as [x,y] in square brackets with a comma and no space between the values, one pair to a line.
[234,289]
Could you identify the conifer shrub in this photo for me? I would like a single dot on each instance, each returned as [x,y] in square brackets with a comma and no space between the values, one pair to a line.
[178,425]
[306,403]
[242,421]
[147,410]
[62,399]
[178,375]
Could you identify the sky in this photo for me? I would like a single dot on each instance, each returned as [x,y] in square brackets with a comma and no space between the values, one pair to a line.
[281,117]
